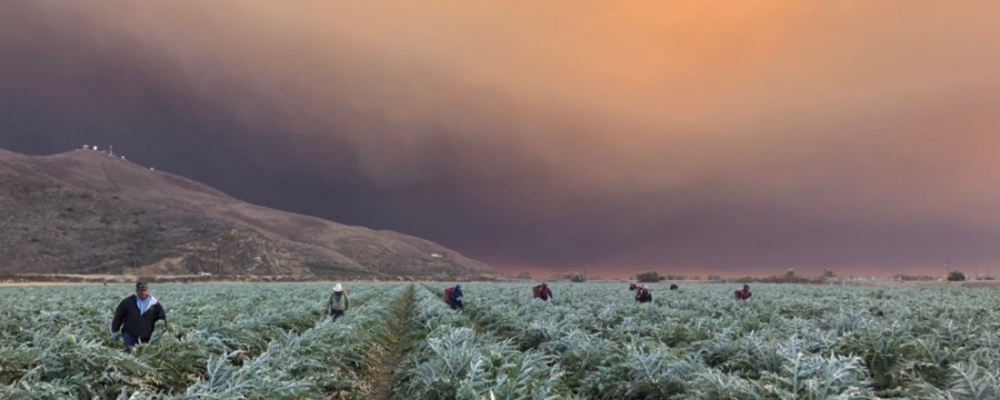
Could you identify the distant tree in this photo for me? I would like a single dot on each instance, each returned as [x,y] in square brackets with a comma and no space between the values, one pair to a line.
[827,273]
[955,276]
[696,278]
[524,275]
[578,278]
[790,273]
[648,277]
[714,277]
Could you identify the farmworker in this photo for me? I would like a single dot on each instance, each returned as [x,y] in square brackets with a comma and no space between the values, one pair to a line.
[136,316]
[642,295]
[542,292]
[743,295]
[454,297]
[673,286]
[340,302]
[632,287]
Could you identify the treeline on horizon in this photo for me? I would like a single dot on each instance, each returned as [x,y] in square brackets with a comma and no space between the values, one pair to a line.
[789,277]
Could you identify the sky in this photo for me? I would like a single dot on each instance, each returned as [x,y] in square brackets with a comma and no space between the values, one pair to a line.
[691,136]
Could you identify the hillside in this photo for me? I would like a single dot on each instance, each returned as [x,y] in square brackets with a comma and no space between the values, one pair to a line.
[88,212]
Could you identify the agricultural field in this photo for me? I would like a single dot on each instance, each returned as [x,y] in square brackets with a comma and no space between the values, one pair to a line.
[592,341]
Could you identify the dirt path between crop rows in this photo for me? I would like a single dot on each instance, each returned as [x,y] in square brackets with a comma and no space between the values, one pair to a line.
[381,380]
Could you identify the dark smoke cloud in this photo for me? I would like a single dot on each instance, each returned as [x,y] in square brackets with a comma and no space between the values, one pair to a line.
[623,137]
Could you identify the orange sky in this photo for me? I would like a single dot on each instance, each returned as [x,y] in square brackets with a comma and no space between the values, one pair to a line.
[853,123]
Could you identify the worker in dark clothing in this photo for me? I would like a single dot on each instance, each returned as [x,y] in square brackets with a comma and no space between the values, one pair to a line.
[643,295]
[743,295]
[454,296]
[542,292]
[632,287]
[673,286]
[136,316]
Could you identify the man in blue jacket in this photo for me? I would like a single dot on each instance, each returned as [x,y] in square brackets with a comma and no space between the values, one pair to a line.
[455,298]
[136,316]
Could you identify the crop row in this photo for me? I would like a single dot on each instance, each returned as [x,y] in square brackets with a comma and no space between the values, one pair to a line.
[266,340]
[799,342]
[454,361]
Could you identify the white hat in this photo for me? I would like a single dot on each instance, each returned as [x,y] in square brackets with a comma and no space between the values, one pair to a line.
[337,288]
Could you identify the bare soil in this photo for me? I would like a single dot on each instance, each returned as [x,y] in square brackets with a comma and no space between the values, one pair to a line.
[382,379]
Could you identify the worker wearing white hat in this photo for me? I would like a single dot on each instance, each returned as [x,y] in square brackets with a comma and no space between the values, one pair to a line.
[339,302]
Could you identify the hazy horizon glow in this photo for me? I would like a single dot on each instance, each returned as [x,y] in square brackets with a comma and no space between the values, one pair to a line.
[554,135]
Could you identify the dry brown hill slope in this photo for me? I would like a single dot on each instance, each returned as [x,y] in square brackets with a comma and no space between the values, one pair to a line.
[88,212]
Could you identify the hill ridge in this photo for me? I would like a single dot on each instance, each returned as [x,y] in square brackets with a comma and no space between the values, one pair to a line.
[85,211]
